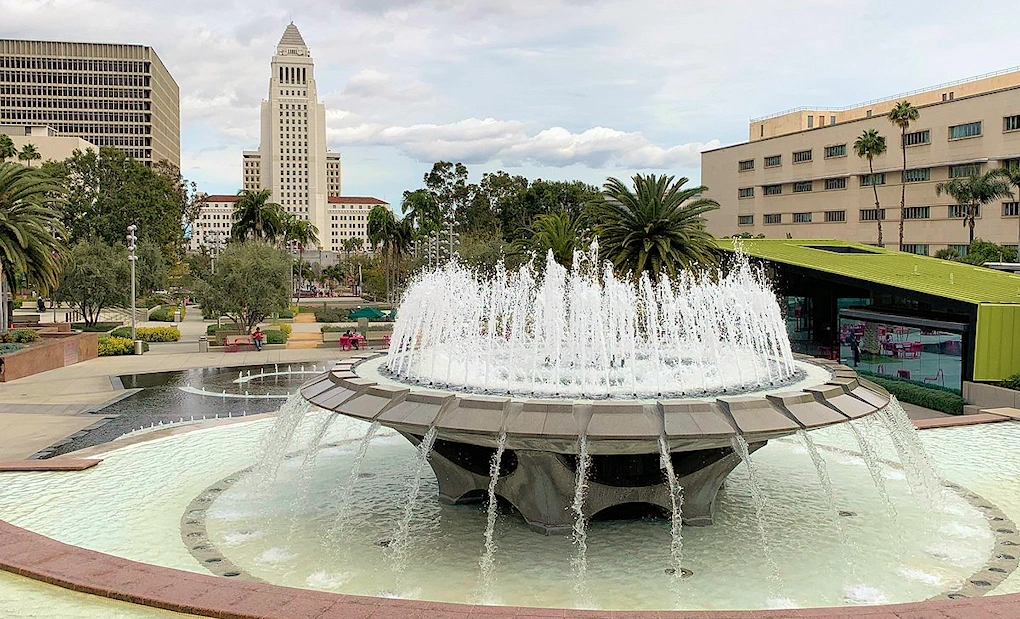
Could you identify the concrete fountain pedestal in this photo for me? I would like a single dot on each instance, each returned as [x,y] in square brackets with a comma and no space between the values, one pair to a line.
[541,437]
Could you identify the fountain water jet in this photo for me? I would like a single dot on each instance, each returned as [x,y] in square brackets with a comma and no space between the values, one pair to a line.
[486,564]
[341,495]
[399,547]
[580,534]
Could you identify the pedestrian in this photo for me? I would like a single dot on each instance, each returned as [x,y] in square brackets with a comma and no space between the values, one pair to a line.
[40,305]
[257,336]
[855,347]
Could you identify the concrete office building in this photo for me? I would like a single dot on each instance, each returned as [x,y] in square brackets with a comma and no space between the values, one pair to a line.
[292,161]
[108,94]
[45,140]
[798,176]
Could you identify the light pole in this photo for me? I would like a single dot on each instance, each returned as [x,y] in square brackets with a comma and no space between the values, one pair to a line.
[132,239]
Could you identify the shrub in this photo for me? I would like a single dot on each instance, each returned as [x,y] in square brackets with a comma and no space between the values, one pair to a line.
[150,334]
[99,327]
[331,314]
[110,346]
[286,313]
[19,336]
[6,348]
[1013,382]
[934,397]
[276,337]
[286,328]
[162,313]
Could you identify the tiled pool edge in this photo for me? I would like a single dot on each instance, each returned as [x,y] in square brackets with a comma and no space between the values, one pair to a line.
[35,556]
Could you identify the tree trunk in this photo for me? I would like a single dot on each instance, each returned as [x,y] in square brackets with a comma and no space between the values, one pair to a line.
[903,186]
[386,268]
[970,223]
[878,209]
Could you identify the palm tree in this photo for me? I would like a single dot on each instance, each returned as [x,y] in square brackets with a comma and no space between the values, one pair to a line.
[382,233]
[7,149]
[302,233]
[256,217]
[870,145]
[902,115]
[31,231]
[1011,175]
[556,232]
[973,192]
[657,227]
[28,154]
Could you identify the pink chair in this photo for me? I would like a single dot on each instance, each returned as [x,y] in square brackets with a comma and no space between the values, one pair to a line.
[913,350]
[938,378]
[903,374]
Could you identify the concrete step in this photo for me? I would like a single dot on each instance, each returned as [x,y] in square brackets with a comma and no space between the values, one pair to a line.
[305,317]
[291,344]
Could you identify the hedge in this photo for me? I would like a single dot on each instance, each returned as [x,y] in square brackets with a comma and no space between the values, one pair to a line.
[19,336]
[286,328]
[6,348]
[150,334]
[110,346]
[286,314]
[1013,382]
[99,327]
[331,314]
[934,397]
[162,314]
[275,336]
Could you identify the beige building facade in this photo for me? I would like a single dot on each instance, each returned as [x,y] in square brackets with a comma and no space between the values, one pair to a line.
[107,94]
[292,160]
[46,142]
[805,181]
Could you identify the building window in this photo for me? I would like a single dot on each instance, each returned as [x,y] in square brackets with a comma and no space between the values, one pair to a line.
[920,250]
[745,220]
[1011,123]
[810,122]
[965,169]
[772,190]
[836,150]
[1010,209]
[917,175]
[802,218]
[867,180]
[832,120]
[959,211]
[835,183]
[803,186]
[960,249]
[745,165]
[917,137]
[968,130]
[872,214]
[802,156]
[773,161]
[835,216]
[776,218]
[917,212]
[1010,163]
[745,192]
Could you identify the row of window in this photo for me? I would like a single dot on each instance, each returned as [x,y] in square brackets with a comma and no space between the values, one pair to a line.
[73,64]
[955,211]
[105,117]
[82,79]
[74,91]
[54,105]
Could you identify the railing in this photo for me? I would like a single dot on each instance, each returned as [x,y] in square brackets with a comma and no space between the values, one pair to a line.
[889,98]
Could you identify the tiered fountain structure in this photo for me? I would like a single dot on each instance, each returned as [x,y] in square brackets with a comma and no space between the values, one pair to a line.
[574,392]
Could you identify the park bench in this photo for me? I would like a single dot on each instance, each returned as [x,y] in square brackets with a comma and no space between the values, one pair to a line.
[233,343]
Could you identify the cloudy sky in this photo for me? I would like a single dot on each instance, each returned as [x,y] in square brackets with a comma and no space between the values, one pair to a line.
[557,89]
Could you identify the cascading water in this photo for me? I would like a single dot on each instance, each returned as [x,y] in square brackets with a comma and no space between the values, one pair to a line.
[307,467]
[399,547]
[277,440]
[758,498]
[487,563]
[676,499]
[917,465]
[585,332]
[580,532]
[341,495]
[874,467]
[830,497]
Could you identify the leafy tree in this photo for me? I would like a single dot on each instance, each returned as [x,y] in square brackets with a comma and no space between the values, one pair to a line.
[543,197]
[7,149]
[421,211]
[447,182]
[94,278]
[300,231]
[150,268]
[973,192]
[979,252]
[256,218]
[31,234]
[902,115]
[1012,176]
[556,232]
[482,251]
[656,228]
[28,154]
[185,194]
[251,282]
[870,145]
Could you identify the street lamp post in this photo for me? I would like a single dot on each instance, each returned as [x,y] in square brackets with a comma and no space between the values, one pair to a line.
[132,245]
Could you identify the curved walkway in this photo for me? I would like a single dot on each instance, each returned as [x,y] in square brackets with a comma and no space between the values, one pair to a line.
[35,556]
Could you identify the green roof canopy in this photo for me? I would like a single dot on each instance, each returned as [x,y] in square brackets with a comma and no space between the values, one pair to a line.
[366,312]
[943,278]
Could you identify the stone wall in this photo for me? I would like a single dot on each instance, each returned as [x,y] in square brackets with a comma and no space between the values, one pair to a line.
[52,351]
[984,395]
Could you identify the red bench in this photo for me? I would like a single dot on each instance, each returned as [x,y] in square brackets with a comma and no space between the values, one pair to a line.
[233,343]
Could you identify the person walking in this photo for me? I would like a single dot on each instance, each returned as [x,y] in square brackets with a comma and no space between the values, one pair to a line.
[257,336]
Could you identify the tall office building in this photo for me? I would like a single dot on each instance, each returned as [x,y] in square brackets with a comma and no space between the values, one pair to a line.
[292,161]
[108,94]
[799,176]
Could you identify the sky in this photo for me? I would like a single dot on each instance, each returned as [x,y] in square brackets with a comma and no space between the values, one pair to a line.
[553,89]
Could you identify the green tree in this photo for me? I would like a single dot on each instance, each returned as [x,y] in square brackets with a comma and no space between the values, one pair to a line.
[657,228]
[868,146]
[28,154]
[902,115]
[384,233]
[447,182]
[31,234]
[256,218]
[483,251]
[150,268]
[543,197]
[7,149]
[421,211]
[251,282]
[556,232]
[974,192]
[94,278]
[1011,175]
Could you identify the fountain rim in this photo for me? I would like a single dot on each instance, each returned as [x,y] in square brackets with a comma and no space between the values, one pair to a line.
[611,426]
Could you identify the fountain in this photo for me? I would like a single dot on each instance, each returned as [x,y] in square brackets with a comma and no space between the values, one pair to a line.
[544,367]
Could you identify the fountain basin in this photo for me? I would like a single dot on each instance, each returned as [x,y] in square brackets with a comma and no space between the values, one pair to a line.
[542,436]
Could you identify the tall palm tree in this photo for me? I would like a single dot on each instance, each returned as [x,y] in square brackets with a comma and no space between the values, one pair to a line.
[359,243]
[870,145]
[7,149]
[556,232]
[256,217]
[31,232]
[973,192]
[658,227]
[302,233]
[902,115]
[382,233]
[1012,176]
[28,154]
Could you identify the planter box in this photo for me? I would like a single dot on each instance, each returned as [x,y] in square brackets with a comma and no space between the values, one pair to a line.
[990,396]
[53,351]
